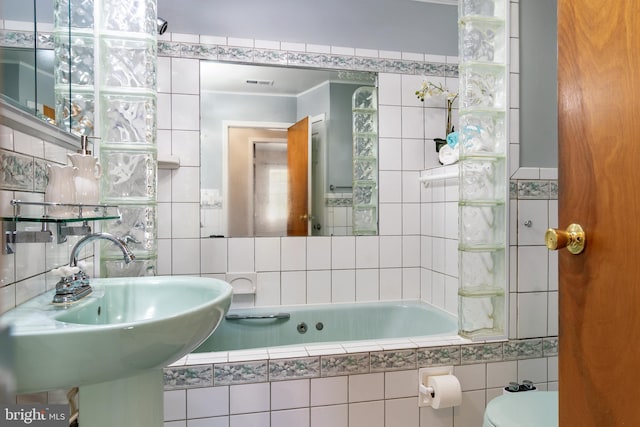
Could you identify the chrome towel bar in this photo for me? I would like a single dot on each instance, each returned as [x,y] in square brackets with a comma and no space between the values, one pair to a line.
[257,316]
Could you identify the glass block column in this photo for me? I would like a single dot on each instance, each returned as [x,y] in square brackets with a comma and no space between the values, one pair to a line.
[105,85]
[74,66]
[365,163]
[483,168]
[126,97]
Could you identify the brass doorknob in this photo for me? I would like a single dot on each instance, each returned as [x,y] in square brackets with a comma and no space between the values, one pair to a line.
[573,238]
[304,217]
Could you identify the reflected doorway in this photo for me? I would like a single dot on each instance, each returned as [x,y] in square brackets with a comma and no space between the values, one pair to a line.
[270,187]
[259,166]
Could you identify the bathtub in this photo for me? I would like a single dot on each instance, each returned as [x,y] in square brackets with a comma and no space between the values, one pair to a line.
[328,323]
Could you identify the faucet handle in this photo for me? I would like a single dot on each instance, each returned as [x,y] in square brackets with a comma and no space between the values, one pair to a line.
[65,271]
[58,272]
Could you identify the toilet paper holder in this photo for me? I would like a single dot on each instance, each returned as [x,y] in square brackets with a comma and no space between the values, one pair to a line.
[426,394]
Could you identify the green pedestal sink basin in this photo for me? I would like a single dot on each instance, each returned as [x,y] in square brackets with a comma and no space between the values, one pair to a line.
[126,327]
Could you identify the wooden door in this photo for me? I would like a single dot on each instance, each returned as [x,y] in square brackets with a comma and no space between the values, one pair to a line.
[599,179]
[298,138]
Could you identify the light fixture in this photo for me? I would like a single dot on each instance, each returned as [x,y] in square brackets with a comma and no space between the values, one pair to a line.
[162,26]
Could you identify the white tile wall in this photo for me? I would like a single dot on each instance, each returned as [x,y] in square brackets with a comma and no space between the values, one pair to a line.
[369,414]
[336,267]
[329,391]
[23,275]
[366,387]
[402,412]
[290,394]
[335,416]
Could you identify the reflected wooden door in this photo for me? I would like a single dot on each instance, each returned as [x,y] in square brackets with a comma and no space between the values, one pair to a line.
[599,174]
[298,139]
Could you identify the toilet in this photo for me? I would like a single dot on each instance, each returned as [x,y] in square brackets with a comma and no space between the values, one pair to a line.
[525,409]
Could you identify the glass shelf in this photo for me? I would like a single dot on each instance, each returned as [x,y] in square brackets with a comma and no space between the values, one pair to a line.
[79,212]
[57,220]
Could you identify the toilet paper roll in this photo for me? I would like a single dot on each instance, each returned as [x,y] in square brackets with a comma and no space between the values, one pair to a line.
[446,391]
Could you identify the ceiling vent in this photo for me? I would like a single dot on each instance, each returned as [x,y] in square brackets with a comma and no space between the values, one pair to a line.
[260,82]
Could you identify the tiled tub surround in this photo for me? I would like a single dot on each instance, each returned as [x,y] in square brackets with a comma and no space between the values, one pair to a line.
[364,383]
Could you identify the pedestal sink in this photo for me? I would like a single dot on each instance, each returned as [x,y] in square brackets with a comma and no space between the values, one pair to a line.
[114,342]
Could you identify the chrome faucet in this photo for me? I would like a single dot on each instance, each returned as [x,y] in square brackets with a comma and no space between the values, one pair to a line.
[74,284]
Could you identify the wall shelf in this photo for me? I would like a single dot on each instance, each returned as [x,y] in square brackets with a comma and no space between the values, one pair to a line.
[440,174]
[76,225]
[168,162]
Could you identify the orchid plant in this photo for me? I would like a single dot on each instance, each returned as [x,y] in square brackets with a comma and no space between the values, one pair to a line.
[430,89]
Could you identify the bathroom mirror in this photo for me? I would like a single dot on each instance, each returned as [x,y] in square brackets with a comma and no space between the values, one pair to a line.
[250,115]
[27,72]
[27,79]
[538,84]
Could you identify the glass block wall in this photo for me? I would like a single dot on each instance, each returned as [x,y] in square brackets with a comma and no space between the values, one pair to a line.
[106,87]
[483,193]
[365,164]
[74,66]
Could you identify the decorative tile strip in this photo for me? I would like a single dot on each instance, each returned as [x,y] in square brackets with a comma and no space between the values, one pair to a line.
[307,59]
[451,70]
[16,171]
[261,56]
[438,356]
[550,346]
[239,373]
[393,360]
[199,51]
[533,190]
[338,61]
[478,353]
[399,66]
[432,69]
[39,175]
[169,49]
[367,64]
[45,41]
[10,38]
[342,202]
[553,189]
[193,376]
[290,369]
[513,190]
[238,54]
[523,349]
[320,60]
[344,364]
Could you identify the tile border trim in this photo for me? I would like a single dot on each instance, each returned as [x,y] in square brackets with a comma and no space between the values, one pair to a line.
[341,364]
